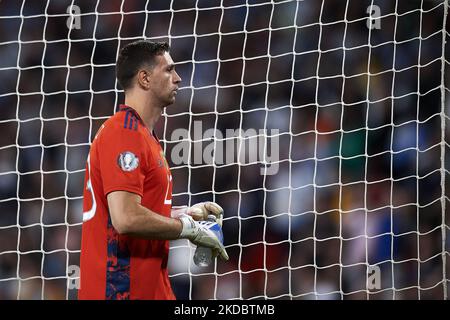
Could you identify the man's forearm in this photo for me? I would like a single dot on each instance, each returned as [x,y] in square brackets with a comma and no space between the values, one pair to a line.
[144,223]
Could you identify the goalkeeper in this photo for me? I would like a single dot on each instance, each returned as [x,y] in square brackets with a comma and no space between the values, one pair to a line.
[127,200]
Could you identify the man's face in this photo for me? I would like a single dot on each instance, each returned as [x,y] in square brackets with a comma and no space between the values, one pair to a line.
[164,79]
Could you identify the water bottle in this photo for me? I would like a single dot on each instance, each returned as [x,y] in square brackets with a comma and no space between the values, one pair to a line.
[203,255]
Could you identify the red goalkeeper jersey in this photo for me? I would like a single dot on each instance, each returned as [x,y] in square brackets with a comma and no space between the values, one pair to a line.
[126,156]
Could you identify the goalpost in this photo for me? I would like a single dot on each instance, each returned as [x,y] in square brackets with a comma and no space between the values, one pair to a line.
[321,127]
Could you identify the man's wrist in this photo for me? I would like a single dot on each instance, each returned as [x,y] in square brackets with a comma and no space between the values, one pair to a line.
[188,227]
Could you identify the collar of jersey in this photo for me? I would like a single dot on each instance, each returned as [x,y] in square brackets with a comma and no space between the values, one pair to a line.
[124,107]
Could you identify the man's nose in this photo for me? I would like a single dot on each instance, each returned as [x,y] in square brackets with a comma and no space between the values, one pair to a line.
[177,78]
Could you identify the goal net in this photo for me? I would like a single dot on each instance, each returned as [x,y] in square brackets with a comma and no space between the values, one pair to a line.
[320,126]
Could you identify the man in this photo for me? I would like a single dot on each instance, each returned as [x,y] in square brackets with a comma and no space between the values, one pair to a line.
[127,202]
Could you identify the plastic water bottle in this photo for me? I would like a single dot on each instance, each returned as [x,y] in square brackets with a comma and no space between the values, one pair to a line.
[203,255]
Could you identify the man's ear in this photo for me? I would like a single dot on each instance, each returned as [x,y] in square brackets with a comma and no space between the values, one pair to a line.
[143,78]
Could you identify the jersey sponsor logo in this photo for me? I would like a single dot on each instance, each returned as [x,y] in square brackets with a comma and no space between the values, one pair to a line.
[128,161]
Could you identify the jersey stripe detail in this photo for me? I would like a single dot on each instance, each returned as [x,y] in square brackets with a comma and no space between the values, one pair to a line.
[131,121]
[125,123]
[136,122]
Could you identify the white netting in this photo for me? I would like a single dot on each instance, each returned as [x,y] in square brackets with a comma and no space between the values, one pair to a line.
[347,99]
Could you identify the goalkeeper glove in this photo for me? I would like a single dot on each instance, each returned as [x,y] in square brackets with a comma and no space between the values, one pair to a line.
[202,210]
[205,234]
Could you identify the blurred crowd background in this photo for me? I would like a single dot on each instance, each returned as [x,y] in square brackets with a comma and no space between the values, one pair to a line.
[359,114]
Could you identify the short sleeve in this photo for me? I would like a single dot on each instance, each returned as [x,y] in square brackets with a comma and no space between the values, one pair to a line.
[122,155]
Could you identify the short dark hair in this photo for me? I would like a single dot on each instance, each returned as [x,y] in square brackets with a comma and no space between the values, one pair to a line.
[135,55]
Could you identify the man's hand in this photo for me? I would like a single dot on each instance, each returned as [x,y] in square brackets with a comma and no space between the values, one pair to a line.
[205,234]
[202,210]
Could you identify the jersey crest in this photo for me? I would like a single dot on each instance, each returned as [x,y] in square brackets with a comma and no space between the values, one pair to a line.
[128,161]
